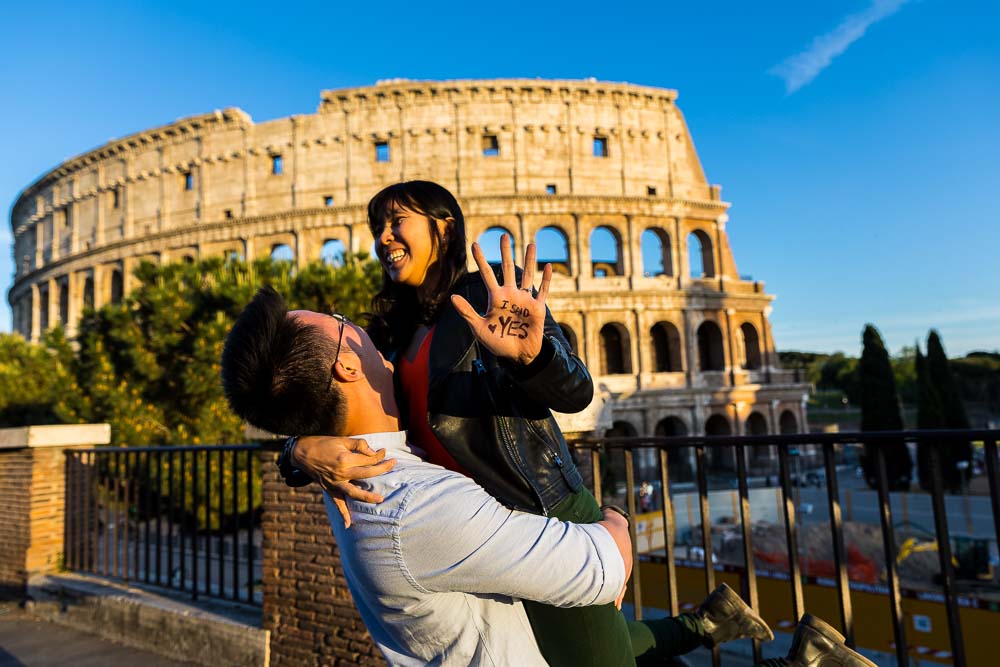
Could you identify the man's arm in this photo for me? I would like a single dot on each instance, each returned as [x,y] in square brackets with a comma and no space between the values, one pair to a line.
[453,536]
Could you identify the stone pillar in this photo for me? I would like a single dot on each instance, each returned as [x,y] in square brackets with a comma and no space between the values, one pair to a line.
[33,498]
[53,309]
[307,606]
[35,328]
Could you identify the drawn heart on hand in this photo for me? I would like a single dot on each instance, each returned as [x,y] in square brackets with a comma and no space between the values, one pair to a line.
[492,328]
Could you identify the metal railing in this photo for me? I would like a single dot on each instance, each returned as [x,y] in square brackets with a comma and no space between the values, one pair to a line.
[829,443]
[184,518]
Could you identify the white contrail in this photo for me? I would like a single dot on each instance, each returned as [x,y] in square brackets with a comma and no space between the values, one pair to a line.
[800,69]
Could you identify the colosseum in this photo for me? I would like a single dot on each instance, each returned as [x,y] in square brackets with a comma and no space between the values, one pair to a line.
[660,315]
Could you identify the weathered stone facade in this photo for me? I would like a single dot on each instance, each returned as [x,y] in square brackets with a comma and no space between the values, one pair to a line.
[565,159]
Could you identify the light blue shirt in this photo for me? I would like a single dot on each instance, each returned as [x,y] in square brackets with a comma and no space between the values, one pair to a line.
[438,570]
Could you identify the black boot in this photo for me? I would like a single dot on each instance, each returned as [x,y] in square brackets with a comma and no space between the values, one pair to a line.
[725,616]
[817,644]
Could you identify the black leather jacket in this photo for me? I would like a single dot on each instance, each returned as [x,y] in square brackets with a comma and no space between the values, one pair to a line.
[494,417]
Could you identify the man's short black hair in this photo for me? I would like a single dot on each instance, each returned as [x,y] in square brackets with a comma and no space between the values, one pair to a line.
[276,371]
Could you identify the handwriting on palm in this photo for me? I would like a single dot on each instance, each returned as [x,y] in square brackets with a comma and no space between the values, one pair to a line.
[514,322]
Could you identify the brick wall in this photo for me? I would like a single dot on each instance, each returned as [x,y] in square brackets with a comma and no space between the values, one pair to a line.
[307,606]
[15,502]
[47,513]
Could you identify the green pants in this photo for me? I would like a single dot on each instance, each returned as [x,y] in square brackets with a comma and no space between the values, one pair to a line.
[600,635]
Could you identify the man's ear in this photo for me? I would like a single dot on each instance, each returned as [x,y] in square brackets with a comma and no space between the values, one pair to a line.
[349,371]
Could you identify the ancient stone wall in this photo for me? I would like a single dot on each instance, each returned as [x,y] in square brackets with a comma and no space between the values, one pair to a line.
[564,162]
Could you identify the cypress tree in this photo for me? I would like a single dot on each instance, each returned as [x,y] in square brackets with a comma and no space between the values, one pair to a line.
[930,415]
[880,412]
[953,409]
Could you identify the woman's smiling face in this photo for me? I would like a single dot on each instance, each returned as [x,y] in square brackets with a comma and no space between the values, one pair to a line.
[406,248]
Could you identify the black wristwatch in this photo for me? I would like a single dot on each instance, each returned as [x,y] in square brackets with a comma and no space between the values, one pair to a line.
[293,476]
[617,510]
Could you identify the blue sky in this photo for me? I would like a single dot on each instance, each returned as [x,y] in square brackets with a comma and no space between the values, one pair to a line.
[858,141]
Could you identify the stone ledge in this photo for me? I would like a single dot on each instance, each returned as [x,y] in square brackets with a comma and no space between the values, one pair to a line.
[60,435]
[211,634]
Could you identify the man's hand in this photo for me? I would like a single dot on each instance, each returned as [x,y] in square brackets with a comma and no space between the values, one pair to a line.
[335,462]
[617,525]
[514,323]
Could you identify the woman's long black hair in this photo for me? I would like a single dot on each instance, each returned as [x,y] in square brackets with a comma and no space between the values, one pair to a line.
[396,310]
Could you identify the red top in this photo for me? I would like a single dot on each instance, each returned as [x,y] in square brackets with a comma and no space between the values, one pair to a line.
[415,380]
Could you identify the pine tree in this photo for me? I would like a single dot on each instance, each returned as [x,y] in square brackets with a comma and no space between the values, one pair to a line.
[953,413]
[880,412]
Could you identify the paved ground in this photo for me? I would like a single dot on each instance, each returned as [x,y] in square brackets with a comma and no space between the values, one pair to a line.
[28,642]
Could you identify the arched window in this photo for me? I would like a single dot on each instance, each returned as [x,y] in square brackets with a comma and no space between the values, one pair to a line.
[717,425]
[710,356]
[281,252]
[43,309]
[489,241]
[679,466]
[669,426]
[700,257]
[605,253]
[656,258]
[88,292]
[187,258]
[666,348]
[787,423]
[553,248]
[64,303]
[751,346]
[719,458]
[117,286]
[621,429]
[760,455]
[570,336]
[756,424]
[332,252]
[615,357]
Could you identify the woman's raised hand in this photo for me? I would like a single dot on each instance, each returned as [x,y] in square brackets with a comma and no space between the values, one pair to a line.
[514,322]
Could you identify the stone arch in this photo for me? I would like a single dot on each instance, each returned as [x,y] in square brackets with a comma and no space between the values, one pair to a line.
[751,346]
[570,336]
[64,302]
[552,246]
[489,241]
[666,341]
[756,424]
[88,292]
[760,455]
[117,285]
[282,252]
[606,252]
[669,426]
[657,259]
[616,357]
[43,308]
[679,466]
[332,252]
[788,422]
[710,351]
[621,429]
[701,259]
[718,425]
[719,458]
